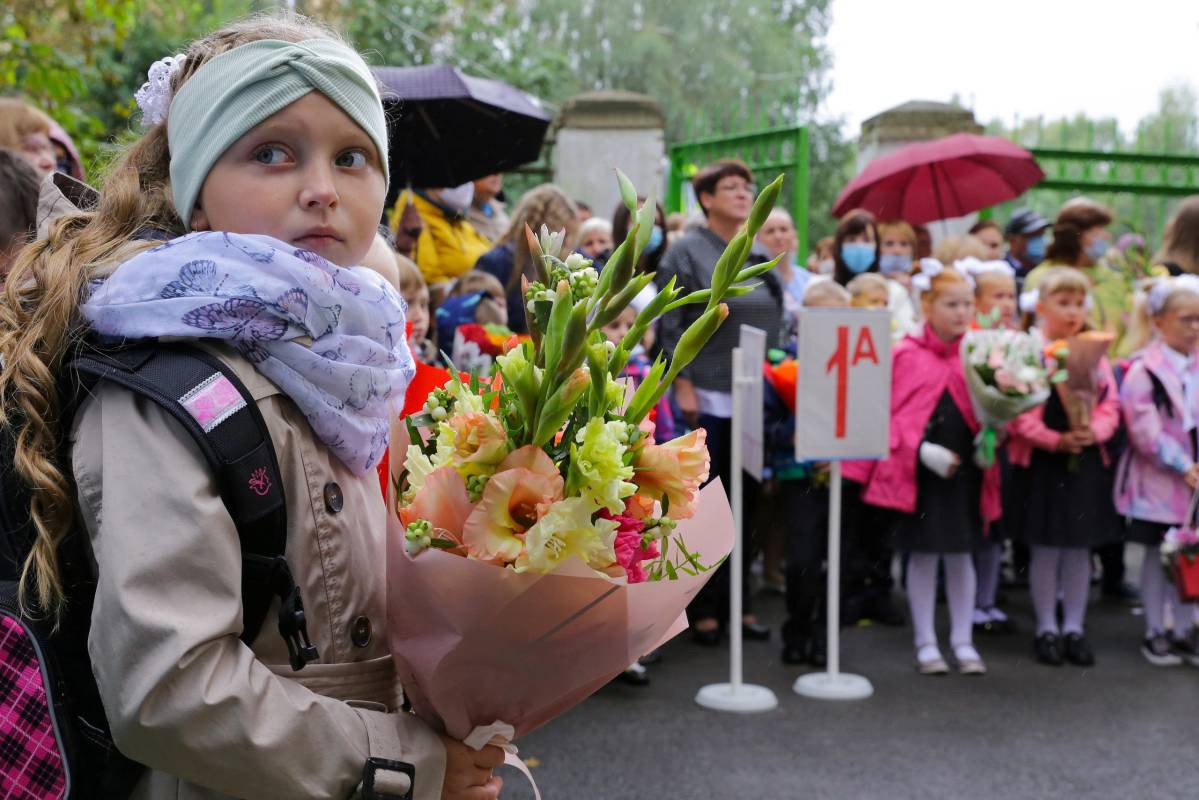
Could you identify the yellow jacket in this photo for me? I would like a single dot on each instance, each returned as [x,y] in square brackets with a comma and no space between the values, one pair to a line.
[447,248]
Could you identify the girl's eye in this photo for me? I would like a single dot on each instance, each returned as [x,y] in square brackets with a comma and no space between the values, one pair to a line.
[354,159]
[270,154]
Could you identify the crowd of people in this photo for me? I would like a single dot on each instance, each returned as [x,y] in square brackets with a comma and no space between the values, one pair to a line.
[458,256]
[1059,505]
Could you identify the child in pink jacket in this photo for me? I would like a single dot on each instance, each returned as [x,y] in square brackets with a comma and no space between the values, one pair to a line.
[944,499]
[1158,472]
[1066,476]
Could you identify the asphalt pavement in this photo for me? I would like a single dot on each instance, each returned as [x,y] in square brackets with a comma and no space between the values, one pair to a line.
[1122,729]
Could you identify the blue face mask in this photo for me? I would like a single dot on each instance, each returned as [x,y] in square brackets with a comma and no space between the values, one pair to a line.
[858,256]
[1034,249]
[891,263]
[1097,249]
[655,241]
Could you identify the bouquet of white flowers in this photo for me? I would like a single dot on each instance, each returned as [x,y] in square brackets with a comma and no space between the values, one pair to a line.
[1007,375]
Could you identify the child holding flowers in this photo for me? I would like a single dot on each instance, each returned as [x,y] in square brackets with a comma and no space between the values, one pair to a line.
[1066,474]
[237,219]
[930,477]
[1158,472]
[995,306]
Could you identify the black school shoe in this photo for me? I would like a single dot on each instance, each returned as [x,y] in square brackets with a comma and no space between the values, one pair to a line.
[797,653]
[1077,651]
[1048,649]
[818,653]
[1187,647]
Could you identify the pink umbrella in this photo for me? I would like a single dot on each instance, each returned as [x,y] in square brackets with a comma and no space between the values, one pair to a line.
[944,178]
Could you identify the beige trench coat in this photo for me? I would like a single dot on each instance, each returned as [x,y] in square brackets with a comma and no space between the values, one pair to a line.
[209,716]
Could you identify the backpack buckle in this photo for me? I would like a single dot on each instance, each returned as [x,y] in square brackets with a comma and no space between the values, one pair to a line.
[375,765]
[293,624]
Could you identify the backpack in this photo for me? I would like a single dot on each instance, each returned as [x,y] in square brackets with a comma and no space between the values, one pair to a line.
[55,741]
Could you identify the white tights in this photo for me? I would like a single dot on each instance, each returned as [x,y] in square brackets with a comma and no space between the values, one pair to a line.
[959,591]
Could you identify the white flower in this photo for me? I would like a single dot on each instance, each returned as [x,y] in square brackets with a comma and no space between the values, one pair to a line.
[577,261]
[154,98]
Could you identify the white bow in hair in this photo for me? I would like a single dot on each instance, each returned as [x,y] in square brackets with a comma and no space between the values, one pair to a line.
[1165,288]
[154,98]
[973,267]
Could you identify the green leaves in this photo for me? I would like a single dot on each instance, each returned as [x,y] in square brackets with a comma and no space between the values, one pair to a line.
[628,194]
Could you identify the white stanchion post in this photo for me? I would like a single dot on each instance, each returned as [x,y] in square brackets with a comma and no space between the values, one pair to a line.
[834,684]
[736,695]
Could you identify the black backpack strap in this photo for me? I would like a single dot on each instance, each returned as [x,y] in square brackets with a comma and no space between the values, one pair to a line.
[212,404]
[1161,398]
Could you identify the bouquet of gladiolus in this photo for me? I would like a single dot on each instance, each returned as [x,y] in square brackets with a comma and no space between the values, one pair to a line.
[541,541]
[1006,375]
[1180,559]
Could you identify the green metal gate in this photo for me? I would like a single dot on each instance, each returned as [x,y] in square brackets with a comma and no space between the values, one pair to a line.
[1142,187]
[767,152]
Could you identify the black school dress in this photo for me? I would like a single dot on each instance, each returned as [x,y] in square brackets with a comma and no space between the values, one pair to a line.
[1068,500]
[948,517]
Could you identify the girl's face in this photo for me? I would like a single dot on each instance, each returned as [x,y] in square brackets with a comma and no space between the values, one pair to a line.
[998,294]
[778,236]
[308,176]
[1063,313]
[870,298]
[991,239]
[1179,325]
[619,327]
[950,311]
[595,243]
[895,244]
[38,150]
[418,313]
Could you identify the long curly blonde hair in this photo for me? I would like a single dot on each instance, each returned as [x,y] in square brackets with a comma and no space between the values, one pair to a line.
[38,308]
[542,205]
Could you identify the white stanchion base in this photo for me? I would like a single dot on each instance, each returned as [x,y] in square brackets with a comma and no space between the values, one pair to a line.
[826,686]
[748,699]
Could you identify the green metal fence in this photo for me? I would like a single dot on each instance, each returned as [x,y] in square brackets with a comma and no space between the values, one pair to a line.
[1137,178]
[767,151]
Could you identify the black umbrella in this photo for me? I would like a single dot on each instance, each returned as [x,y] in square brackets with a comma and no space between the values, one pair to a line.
[448,128]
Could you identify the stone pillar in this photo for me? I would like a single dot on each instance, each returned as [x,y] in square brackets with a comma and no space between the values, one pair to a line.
[599,132]
[917,121]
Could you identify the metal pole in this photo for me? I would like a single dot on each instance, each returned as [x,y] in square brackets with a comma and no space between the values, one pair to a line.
[800,201]
[833,642]
[735,461]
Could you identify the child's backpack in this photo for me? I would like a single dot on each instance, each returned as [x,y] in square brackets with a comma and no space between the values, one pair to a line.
[55,741]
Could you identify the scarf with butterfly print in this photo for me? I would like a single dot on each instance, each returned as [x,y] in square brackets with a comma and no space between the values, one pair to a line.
[331,339]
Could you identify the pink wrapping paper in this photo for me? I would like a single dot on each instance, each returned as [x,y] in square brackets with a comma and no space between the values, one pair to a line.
[476,644]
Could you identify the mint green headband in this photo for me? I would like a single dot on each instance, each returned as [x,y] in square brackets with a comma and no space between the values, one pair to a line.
[240,88]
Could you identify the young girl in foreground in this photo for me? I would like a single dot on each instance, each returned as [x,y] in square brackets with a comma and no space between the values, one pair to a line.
[1067,480]
[930,476]
[1158,472]
[272,155]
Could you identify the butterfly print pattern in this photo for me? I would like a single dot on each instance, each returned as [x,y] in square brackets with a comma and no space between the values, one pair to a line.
[330,338]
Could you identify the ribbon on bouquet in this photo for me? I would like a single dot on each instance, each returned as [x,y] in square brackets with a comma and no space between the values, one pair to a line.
[985,444]
[499,734]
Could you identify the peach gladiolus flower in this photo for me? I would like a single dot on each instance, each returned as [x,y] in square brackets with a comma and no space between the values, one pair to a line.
[443,502]
[475,441]
[673,470]
[514,500]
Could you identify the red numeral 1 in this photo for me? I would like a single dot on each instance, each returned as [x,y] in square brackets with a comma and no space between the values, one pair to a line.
[840,362]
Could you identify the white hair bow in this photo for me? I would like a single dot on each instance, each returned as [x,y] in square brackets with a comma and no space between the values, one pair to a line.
[154,98]
[1164,289]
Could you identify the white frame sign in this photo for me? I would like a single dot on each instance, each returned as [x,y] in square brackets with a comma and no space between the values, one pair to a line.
[843,394]
[753,356]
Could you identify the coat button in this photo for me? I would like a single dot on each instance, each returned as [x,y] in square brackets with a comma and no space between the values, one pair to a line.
[333,498]
[360,632]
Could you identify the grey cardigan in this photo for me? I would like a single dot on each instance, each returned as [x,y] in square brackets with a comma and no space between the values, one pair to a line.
[691,261]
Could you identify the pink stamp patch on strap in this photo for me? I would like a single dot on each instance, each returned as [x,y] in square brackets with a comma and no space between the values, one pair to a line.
[31,767]
[213,401]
